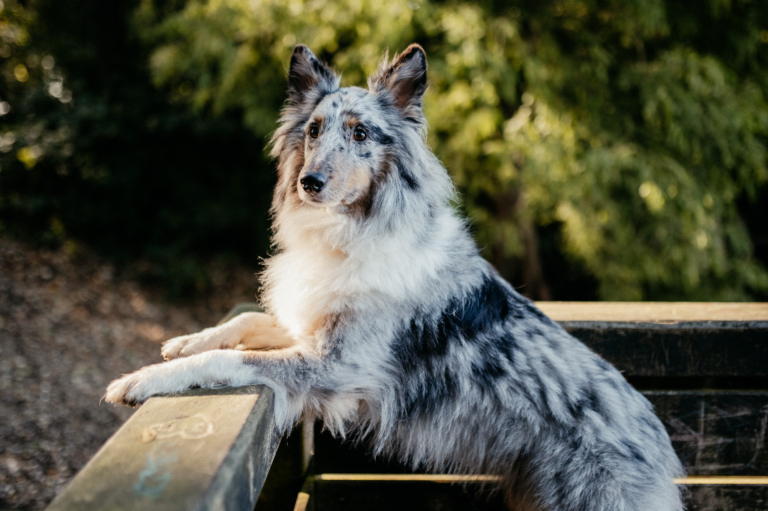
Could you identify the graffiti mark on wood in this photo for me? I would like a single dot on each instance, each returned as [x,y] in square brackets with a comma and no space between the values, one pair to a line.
[157,473]
[189,428]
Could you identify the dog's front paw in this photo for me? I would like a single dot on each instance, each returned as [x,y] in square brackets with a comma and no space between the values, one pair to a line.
[173,347]
[119,391]
[193,344]
[135,388]
[217,338]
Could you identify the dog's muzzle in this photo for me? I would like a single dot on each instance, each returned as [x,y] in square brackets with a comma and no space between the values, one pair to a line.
[313,183]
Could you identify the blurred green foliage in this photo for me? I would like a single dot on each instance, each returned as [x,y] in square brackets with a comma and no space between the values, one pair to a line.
[610,140]
[92,152]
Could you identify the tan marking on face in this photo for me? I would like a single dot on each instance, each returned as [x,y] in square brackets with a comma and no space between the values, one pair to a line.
[357,184]
[352,122]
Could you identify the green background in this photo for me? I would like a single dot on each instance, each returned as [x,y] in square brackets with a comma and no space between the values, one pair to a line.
[609,150]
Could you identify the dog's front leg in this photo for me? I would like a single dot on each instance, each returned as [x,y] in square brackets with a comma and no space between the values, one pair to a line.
[250,331]
[288,370]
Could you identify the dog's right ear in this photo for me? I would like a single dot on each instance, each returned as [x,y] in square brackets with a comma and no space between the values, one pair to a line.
[307,72]
[404,79]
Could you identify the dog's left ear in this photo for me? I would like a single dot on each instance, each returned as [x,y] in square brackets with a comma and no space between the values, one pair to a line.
[307,73]
[404,79]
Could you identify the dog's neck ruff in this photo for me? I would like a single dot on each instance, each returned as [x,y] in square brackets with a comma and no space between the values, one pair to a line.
[331,261]
[385,238]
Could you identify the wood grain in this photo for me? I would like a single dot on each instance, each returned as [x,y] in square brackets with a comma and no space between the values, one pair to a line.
[204,449]
[654,312]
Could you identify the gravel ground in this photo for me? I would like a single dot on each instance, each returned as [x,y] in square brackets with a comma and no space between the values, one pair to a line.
[68,326]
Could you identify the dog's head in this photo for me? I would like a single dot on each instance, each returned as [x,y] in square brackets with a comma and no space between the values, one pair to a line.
[349,149]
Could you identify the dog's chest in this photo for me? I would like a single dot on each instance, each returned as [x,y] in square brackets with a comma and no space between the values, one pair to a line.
[305,289]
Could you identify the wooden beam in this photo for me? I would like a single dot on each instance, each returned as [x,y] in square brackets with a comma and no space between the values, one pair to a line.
[716,432]
[654,312]
[384,492]
[467,478]
[433,478]
[724,480]
[197,450]
[657,339]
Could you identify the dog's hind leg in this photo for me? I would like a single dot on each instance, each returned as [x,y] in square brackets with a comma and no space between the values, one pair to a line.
[249,331]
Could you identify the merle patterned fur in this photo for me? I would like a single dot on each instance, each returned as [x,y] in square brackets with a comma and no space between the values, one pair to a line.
[385,322]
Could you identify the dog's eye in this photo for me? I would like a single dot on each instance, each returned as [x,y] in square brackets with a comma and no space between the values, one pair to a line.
[314,131]
[360,134]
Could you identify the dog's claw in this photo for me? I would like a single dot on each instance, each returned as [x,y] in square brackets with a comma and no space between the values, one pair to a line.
[172,348]
[164,378]
[132,389]
[118,392]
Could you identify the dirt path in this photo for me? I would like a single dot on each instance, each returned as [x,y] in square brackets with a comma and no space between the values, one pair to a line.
[68,326]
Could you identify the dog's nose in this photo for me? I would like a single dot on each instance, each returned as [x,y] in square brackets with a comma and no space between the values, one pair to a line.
[313,183]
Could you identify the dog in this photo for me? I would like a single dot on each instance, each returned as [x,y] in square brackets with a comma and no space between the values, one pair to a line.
[385,321]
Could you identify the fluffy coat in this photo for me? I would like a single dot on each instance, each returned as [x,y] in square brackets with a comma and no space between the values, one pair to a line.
[385,321]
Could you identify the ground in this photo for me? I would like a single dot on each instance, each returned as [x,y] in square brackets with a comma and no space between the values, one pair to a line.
[69,324]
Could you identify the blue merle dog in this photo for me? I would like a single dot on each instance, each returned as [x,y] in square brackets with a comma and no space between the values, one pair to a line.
[385,321]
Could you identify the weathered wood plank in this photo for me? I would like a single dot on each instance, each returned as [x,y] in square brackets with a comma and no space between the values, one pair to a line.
[654,312]
[402,495]
[716,433]
[727,498]
[341,492]
[287,473]
[715,340]
[202,449]
[682,349]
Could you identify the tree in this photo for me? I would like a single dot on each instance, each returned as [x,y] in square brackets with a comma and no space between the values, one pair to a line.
[616,139]
[94,153]
[619,122]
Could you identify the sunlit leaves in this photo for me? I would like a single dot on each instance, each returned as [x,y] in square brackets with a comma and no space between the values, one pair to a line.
[613,120]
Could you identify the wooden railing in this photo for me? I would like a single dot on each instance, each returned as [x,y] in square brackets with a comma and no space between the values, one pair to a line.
[201,449]
[703,366]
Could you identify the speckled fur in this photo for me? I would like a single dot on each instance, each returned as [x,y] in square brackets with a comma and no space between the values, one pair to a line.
[392,327]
